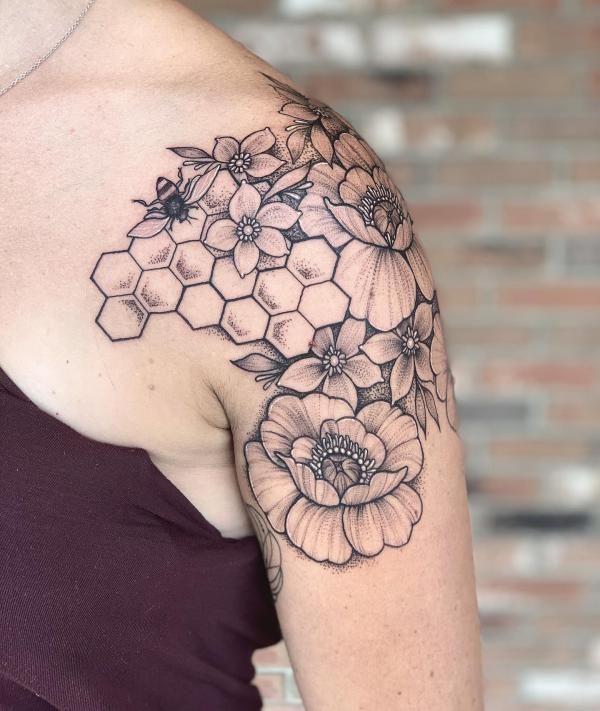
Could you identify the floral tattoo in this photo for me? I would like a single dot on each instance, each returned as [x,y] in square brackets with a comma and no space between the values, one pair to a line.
[300,249]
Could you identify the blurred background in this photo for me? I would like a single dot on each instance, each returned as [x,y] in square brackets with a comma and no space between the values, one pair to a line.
[487,114]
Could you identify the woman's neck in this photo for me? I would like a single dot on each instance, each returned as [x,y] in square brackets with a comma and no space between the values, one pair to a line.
[29,30]
[110,44]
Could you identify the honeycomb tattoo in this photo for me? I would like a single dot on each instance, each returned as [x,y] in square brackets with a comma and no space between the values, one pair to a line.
[300,249]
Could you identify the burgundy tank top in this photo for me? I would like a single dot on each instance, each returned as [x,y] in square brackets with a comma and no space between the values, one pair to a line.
[115,592]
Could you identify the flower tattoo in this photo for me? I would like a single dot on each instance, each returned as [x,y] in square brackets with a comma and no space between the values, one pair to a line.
[337,364]
[252,228]
[444,380]
[250,157]
[314,122]
[334,481]
[307,260]
[375,231]
[407,347]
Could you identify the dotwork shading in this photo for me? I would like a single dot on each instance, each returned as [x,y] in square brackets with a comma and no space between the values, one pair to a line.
[301,249]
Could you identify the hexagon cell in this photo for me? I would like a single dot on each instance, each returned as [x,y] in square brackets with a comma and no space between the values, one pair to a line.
[323,304]
[266,261]
[244,320]
[192,263]
[154,252]
[290,333]
[216,200]
[312,261]
[277,291]
[227,280]
[159,290]
[116,274]
[122,317]
[201,306]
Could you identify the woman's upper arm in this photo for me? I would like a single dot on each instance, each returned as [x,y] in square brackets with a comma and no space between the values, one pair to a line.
[342,409]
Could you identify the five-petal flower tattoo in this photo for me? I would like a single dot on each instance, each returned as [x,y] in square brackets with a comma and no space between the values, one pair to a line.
[252,228]
[407,348]
[248,157]
[337,364]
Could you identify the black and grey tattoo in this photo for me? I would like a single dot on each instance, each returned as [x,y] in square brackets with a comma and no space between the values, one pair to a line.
[302,251]
[271,551]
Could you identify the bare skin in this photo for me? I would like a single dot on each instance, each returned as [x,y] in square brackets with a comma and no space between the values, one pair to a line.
[88,134]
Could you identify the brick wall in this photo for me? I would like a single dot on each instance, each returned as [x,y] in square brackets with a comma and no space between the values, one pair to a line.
[487,112]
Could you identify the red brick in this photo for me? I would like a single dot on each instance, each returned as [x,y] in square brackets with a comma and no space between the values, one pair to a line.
[500,84]
[388,5]
[565,125]
[573,215]
[594,84]
[499,5]
[533,375]
[560,295]
[493,554]
[505,488]
[580,553]
[446,215]
[494,621]
[489,335]
[582,334]
[503,255]
[451,297]
[549,39]
[435,132]
[582,412]
[405,174]
[586,171]
[521,651]
[337,86]
[546,448]
[557,590]
[494,171]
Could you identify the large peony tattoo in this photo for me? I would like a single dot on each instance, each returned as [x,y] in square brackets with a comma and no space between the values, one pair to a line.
[335,481]
[357,207]
[298,247]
